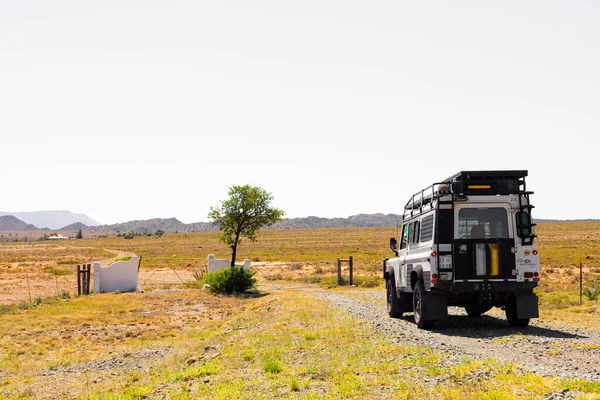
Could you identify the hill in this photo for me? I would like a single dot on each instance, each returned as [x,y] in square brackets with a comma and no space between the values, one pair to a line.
[75,227]
[174,225]
[148,226]
[12,223]
[360,220]
[53,219]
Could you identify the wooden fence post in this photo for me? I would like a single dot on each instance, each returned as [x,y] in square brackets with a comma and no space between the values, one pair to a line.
[339,272]
[83,278]
[580,283]
[88,278]
[78,280]
[351,269]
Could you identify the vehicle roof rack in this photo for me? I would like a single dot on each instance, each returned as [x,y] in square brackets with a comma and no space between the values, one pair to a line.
[479,183]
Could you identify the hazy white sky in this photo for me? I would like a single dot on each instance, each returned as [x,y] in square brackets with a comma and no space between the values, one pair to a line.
[138,109]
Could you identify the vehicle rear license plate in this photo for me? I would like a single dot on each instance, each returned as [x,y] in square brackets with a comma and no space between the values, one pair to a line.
[445,262]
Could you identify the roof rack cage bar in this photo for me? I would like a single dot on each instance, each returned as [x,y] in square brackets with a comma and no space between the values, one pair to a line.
[456,184]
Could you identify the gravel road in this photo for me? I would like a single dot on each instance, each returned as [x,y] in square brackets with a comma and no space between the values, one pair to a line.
[547,348]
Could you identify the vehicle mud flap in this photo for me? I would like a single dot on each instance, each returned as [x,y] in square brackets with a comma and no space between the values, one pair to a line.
[436,306]
[406,302]
[527,306]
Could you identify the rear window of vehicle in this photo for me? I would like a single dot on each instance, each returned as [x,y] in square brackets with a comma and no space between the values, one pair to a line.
[483,223]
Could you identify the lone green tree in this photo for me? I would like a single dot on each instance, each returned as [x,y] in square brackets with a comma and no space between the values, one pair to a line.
[247,209]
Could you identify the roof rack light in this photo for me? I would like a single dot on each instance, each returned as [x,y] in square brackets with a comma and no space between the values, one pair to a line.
[479,186]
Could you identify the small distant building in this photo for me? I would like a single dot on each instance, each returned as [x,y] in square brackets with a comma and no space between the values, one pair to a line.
[57,237]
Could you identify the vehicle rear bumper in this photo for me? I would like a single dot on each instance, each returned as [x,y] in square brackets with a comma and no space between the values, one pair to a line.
[485,287]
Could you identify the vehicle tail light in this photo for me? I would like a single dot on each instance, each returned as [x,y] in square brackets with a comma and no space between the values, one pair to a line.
[535,252]
[528,274]
[433,254]
[536,279]
[434,278]
[536,274]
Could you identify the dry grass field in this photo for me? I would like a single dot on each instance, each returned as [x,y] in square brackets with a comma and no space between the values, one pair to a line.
[283,344]
[366,245]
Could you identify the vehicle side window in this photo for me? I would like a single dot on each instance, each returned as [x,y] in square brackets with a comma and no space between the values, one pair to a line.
[427,229]
[413,232]
[417,232]
[404,238]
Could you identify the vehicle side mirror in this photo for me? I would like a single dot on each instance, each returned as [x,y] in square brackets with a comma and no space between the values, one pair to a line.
[394,245]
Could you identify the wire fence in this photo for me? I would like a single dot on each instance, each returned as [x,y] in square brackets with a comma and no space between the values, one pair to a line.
[269,275]
[170,271]
[292,275]
[29,282]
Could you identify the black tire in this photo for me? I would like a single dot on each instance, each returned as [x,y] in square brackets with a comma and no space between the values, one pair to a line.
[393,302]
[476,311]
[419,310]
[511,315]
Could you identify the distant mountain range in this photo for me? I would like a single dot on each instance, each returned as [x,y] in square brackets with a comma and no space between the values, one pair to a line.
[12,223]
[68,221]
[174,225]
[54,219]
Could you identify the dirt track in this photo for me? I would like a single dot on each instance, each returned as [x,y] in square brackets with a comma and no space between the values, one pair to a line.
[548,348]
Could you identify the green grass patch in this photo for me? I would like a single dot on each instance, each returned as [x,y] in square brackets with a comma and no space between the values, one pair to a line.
[332,281]
[294,384]
[68,262]
[199,371]
[271,366]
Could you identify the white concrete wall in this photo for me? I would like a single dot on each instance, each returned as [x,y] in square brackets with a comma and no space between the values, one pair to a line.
[215,264]
[121,276]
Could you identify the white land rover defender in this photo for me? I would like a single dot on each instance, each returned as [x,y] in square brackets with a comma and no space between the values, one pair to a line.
[469,242]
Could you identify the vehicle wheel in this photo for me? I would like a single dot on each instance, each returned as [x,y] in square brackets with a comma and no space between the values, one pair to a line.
[476,311]
[393,302]
[419,310]
[511,315]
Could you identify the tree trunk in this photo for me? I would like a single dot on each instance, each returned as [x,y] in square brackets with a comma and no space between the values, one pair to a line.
[234,249]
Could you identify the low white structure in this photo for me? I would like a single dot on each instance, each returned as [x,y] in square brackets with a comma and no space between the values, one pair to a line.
[121,276]
[215,264]
[58,237]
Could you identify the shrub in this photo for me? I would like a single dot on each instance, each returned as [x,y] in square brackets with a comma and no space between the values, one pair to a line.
[67,262]
[294,385]
[199,274]
[591,294]
[367,281]
[228,280]
[271,366]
